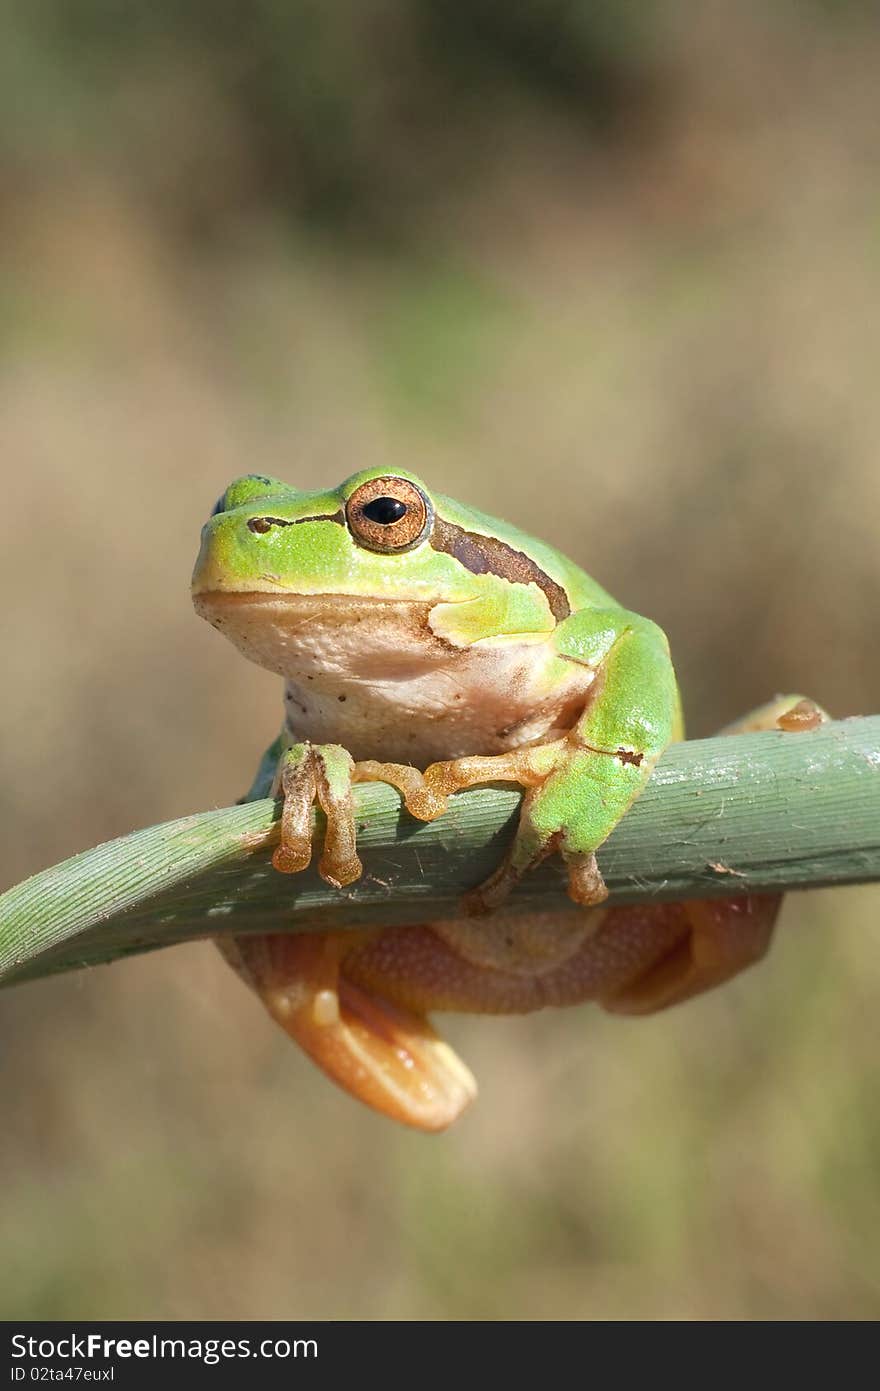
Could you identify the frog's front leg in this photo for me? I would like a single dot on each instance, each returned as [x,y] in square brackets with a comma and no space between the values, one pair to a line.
[306,774]
[606,759]
[579,786]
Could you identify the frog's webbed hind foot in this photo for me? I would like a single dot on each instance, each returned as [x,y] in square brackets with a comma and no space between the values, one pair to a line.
[381,1053]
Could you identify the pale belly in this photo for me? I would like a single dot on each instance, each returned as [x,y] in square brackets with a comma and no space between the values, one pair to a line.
[391,694]
[475,707]
[370,675]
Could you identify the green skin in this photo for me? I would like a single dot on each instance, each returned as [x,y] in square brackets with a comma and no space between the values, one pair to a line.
[581,785]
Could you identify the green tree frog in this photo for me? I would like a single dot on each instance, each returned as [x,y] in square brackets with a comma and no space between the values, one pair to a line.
[426,645]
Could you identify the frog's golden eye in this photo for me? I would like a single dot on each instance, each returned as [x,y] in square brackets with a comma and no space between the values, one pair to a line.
[389,514]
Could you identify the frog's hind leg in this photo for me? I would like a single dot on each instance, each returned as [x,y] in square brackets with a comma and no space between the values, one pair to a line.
[384,1054]
[719,937]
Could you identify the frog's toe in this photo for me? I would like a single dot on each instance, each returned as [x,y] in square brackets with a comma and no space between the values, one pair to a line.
[334,767]
[489,895]
[384,1055]
[802,717]
[323,773]
[585,883]
[295,781]
[422,800]
[791,713]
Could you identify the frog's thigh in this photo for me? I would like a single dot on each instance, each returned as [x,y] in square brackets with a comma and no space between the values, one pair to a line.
[632,960]
[382,1053]
[514,963]
[721,936]
[716,939]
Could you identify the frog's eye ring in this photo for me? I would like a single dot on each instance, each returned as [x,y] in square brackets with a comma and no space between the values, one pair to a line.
[389,514]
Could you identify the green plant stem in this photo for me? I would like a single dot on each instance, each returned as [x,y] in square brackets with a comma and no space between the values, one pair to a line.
[757,813]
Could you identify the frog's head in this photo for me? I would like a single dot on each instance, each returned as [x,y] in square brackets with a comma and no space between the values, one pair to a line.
[275,561]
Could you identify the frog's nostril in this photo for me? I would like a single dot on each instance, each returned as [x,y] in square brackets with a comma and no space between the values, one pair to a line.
[263,524]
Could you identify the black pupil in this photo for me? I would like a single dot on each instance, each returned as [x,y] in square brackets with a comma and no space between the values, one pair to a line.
[385,510]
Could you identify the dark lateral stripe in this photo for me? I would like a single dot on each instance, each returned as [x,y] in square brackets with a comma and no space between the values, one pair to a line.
[297,521]
[337,517]
[485,555]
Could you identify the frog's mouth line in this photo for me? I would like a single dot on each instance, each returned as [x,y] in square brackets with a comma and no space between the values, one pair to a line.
[245,616]
[333,608]
[288,614]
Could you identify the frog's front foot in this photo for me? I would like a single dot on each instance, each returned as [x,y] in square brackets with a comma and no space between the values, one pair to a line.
[585,883]
[565,809]
[573,797]
[322,773]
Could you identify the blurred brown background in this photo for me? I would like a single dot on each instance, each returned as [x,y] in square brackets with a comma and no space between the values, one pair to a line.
[608,269]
